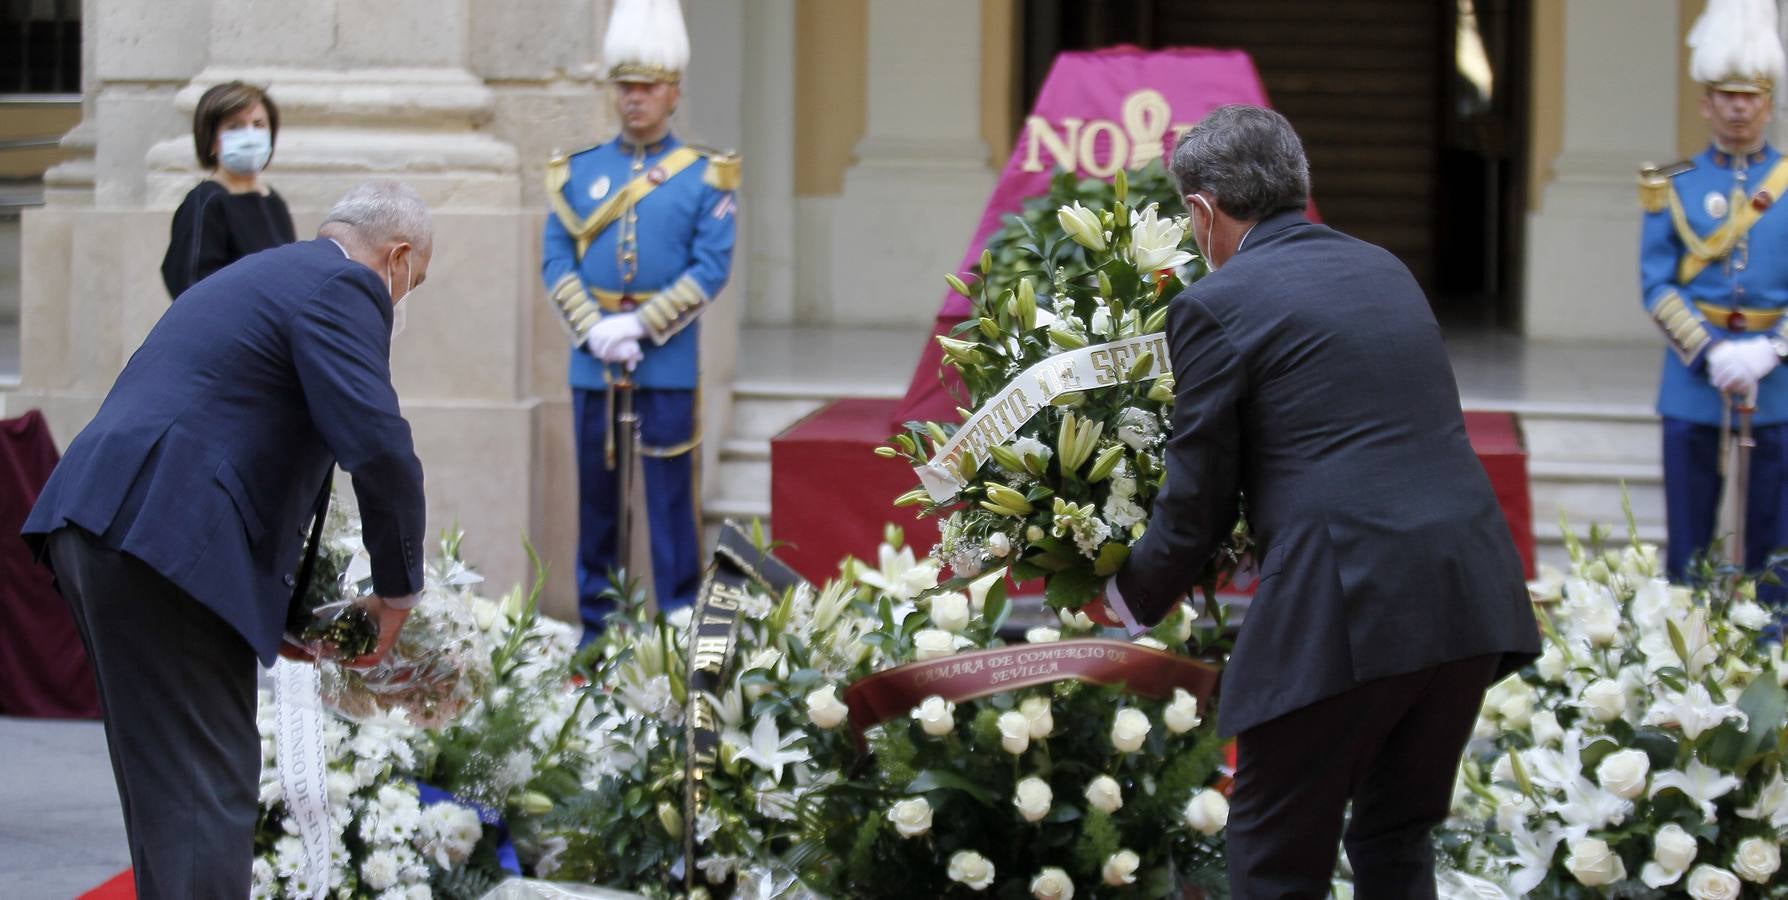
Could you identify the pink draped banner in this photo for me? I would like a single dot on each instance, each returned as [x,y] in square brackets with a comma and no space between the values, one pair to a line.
[1098,112]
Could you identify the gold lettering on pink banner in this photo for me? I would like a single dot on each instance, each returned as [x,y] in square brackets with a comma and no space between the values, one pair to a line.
[1073,145]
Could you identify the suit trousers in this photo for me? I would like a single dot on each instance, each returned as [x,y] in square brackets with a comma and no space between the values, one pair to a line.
[177,689]
[1392,747]
[666,419]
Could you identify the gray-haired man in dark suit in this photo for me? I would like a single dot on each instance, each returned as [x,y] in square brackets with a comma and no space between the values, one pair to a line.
[1311,379]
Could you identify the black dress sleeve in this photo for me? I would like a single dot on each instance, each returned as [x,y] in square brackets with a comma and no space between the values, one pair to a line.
[284,232]
[198,241]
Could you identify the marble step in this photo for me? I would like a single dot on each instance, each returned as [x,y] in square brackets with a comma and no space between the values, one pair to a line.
[1633,438]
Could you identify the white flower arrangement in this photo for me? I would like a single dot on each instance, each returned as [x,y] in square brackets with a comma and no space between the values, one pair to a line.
[1644,752]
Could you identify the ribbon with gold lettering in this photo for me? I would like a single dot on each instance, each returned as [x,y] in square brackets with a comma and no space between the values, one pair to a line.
[999,419]
[1142,671]
[713,631]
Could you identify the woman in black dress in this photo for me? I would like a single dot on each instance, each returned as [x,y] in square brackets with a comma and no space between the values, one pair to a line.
[232,213]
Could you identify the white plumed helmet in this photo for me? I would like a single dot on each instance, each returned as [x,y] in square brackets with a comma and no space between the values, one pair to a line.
[646,41]
[1734,46]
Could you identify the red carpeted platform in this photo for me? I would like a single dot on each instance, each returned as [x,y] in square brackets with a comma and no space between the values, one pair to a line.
[121,887]
[830,494]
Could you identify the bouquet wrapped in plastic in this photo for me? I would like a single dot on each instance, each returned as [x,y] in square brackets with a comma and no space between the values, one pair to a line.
[326,619]
[440,663]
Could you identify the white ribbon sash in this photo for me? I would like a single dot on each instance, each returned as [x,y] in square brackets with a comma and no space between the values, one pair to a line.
[995,423]
[299,748]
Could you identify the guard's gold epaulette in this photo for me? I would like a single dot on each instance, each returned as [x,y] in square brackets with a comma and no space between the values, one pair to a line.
[1654,183]
[723,168]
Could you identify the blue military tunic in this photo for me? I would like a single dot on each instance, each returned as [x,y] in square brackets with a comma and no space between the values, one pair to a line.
[1702,196]
[676,238]
[646,230]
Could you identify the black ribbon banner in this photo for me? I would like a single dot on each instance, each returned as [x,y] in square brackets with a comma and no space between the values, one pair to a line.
[713,635]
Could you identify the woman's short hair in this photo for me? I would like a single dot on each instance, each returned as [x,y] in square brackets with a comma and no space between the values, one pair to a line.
[1249,157]
[221,102]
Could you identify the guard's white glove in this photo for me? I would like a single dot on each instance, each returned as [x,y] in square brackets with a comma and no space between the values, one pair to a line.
[607,339]
[1736,366]
[626,353]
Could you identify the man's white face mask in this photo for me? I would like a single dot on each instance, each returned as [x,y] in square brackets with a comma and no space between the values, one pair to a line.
[400,314]
[1210,230]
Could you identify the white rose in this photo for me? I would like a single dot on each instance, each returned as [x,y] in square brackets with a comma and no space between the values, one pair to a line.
[950,612]
[1517,710]
[971,869]
[1128,730]
[1713,883]
[1551,664]
[1600,622]
[1545,728]
[1182,626]
[1747,615]
[931,643]
[1042,635]
[936,716]
[1605,700]
[1673,848]
[911,817]
[1120,869]
[1593,863]
[1052,884]
[999,545]
[1076,620]
[1037,711]
[1104,794]
[1033,798]
[1181,714]
[1149,642]
[1623,773]
[1207,812]
[825,709]
[1015,731]
[1757,859]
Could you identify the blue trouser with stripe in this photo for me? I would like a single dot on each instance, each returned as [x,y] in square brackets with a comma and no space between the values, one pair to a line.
[666,419]
[1692,485]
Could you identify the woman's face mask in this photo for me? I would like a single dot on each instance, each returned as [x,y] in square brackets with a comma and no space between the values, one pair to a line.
[244,151]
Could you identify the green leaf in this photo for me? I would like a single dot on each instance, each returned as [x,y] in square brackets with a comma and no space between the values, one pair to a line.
[1072,588]
[998,607]
[941,779]
[1111,558]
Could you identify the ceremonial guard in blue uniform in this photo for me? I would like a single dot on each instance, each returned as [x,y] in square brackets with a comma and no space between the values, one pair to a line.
[1713,266]
[638,241]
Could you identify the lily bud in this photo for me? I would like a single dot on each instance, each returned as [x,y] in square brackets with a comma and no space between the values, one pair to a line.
[989,327]
[937,432]
[986,261]
[1107,461]
[957,284]
[1162,390]
[1141,366]
[671,818]
[1004,496]
[907,443]
[887,452]
[1156,321]
[1120,186]
[1007,459]
[535,803]
[1063,339]
[1027,304]
[913,497]
[960,352]
[1069,401]
[966,467]
[1104,285]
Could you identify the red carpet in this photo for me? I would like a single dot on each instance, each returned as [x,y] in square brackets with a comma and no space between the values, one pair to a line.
[119,888]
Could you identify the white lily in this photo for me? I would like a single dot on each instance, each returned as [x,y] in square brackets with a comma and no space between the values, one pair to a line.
[1588,807]
[1699,782]
[1155,242]
[899,575]
[1533,856]
[1082,225]
[1771,804]
[770,748]
[1694,711]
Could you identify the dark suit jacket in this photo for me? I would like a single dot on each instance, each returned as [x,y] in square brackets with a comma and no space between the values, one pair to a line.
[1311,379]
[207,456]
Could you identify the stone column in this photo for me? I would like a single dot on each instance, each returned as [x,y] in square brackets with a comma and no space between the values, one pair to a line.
[911,201]
[1583,240]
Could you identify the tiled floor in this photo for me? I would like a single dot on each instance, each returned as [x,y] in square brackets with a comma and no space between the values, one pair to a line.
[60,829]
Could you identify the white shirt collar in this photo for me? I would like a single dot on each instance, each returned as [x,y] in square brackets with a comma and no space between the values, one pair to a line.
[344,250]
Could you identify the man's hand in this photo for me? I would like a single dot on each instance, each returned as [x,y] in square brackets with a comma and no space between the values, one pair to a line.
[391,621]
[296,652]
[616,338]
[1736,366]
